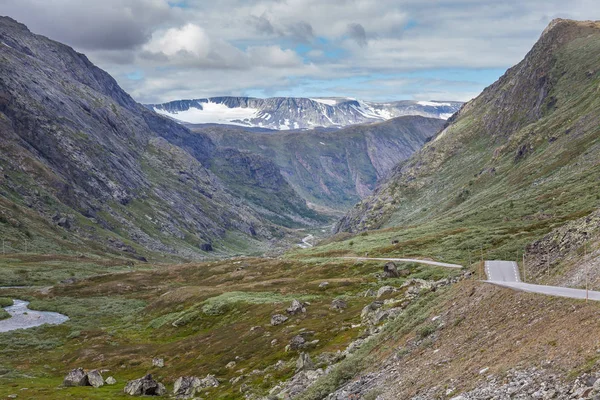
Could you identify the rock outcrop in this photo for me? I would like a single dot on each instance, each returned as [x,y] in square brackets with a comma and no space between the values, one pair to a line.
[81,377]
[278,319]
[145,386]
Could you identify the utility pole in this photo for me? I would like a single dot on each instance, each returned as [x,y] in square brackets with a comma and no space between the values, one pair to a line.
[587,295]
[517,259]
[524,267]
[482,263]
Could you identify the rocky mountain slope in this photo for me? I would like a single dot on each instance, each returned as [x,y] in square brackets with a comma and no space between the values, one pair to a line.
[285,113]
[525,151]
[333,169]
[84,167]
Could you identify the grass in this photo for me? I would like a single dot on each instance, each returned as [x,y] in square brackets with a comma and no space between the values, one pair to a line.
[5,302]
[198,317]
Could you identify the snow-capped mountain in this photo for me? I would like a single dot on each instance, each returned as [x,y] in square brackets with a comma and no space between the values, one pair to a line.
[285,113]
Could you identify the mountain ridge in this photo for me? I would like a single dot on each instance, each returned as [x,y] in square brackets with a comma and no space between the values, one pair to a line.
[297,113]
[499,133]
[86,167]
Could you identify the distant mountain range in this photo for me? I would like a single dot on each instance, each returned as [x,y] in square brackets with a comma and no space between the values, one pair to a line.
[291,113]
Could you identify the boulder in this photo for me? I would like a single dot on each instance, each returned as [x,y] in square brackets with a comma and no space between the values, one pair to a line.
[304,363]
[297,342]
[95,378]
[323,284]
[186,386]
[385,290]
[390,270]
[145,386]
[76,377]
[206,247]
[339,304]
[110,381]
[368,309]
[210,381]
[278,319]
[158,362]
[296,308]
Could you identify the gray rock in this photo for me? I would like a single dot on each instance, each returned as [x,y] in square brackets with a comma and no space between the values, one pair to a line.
[339,304]
[185,387]
[210,381]
[304,363]
[76,377]
[278,319]
[110,381]
[370,308]
[296,308]
[390,270]
[297,342]
[158,362]
[206,247]
[323,284]
[95,379]
[385,290]
[145,386]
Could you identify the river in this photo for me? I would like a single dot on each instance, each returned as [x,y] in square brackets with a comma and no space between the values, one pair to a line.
[24,318]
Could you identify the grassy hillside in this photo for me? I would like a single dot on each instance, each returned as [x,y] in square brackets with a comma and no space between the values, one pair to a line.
[515,163]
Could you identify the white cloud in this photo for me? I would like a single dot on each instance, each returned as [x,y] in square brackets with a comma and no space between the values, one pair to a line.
[189,39]
[292,46]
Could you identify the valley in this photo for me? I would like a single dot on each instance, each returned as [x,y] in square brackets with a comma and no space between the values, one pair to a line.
[387,254]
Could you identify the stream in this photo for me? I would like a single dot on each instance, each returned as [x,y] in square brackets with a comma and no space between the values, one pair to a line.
[24,318]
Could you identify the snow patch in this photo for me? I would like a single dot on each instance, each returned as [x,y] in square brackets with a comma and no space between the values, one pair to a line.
[329,102]
[212,113]
[433,104]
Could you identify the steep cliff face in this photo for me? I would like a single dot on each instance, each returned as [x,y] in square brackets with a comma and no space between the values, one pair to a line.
[527,140]
[82,162]
[333,168]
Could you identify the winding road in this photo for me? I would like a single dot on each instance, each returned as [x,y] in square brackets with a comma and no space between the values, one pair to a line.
[506,274]
[414,260]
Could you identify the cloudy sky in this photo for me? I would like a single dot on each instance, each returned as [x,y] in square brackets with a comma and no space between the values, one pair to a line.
[162,50]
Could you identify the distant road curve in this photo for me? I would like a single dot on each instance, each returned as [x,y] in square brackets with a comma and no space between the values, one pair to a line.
[506,274]
[306,242]
[414,260]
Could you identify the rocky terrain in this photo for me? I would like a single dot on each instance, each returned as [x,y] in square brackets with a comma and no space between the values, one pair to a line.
[86,167]
[333,169]
[284,113]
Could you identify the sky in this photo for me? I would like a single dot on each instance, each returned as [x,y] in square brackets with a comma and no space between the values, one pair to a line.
[377,50]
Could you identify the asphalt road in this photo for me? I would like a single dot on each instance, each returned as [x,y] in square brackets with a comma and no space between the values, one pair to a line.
[506,274]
